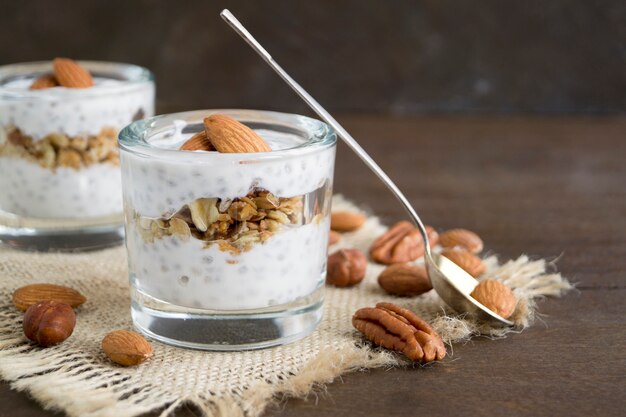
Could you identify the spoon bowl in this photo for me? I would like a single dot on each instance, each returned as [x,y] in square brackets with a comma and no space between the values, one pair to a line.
[454,286]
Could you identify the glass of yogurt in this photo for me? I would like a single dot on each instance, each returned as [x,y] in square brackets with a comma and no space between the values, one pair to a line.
[60,180]
[227,251]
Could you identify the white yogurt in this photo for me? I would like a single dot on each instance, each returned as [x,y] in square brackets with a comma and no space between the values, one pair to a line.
[168,184]
[27,189]
[34,191]
[291,264]
[71,111]
[287,266]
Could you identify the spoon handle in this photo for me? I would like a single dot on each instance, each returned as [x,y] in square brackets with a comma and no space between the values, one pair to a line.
[324,115]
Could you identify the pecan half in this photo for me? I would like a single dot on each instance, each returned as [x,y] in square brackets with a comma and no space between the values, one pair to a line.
[399,329]
[401,243]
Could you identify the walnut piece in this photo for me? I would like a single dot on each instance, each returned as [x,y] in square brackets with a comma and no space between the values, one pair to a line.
[399,329]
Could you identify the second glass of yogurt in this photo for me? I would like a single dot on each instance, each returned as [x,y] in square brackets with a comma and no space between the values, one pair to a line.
[60,181]
[227,251]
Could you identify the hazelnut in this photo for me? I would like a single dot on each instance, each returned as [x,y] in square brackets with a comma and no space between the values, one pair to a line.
[346,268]
[49,322]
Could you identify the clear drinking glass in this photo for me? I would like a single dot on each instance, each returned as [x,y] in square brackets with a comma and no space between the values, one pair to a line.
[60,181]
[227,251]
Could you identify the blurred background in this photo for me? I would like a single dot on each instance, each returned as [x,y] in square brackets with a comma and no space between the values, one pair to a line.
[393,57]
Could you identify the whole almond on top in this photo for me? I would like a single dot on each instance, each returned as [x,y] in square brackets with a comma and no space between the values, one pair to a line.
[496,296]
[405,280]
[126,348]
[198,142]
[472,264]
[230,136]
[461,238]
[25,297]
[71,74]
[43,82]
[346,221]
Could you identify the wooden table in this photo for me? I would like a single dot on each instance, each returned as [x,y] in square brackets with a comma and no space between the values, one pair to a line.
[547,187]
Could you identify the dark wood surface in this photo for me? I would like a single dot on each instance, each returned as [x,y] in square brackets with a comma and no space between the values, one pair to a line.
[400,56]
[547,187]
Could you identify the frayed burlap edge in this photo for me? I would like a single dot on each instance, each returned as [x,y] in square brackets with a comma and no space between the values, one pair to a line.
[57,385]
[528,277]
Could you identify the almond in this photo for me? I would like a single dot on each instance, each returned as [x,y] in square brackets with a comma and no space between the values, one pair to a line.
[461,238]
[198,142]
[71,74]
[496,296]
[43,82]
[230,136]
[126,348]
[405,280]
[29,295]
[346,221]
[472,264]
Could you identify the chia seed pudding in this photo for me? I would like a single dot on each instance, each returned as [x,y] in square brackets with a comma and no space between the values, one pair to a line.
[220,231]
[58,145]
[227,251]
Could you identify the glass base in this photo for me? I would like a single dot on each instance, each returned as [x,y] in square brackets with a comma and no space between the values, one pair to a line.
[52,235]
[226,330]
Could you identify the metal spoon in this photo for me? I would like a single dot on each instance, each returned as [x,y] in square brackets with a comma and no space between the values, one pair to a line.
[452,283]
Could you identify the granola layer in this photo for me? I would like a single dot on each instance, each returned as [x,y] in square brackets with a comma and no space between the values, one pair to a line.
[235,225]
[59,150]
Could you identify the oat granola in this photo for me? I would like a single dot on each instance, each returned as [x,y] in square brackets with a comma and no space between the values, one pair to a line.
[59,150]
[235,225]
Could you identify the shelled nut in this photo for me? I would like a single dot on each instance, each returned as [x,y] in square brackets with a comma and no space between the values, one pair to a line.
[49,322]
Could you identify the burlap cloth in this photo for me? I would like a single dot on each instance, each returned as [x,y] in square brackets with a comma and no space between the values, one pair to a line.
[77,378]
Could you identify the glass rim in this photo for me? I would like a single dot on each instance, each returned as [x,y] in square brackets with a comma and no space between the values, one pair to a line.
[133,76]
[319,135]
